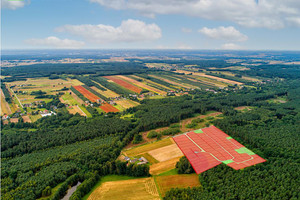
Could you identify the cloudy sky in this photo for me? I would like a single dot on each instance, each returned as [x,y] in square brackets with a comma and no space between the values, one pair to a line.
[151,24]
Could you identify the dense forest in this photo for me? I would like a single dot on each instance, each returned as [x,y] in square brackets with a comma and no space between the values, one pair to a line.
[67,148]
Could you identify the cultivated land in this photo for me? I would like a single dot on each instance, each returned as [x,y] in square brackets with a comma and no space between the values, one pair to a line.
[178,85]
[165,183]
[166,153]
[108,93]
[151,82]
[87,94]
[209,76]
[136,189]
[148,147]
[142,85]
[50,86]
[76,109]
[126,103]
[5,109]
[124,84]
[108,108]
[164,166]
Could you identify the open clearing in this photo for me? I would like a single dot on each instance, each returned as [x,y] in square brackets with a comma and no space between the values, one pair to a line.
[135,189]
[166,153]
[165,183]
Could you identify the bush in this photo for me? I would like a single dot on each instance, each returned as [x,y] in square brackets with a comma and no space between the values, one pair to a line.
[198,120]
[152,134]
[137,139]
[171,131]
[175,126]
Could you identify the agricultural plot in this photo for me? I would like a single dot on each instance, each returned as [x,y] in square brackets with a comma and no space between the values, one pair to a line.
[108,108]
[48,86]
[107,93]
[209,147]
[164,166]
[124,84]
[135,189]
[162,155]
[89,95]
[142,85]
[148,147]
[126,103]
[165,183]
[209,76]
[151,83]
[75,109]
[176,84]
[166,153]
[5,109]
[26,119]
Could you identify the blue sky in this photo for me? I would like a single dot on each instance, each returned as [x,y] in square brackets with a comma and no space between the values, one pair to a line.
[151,24]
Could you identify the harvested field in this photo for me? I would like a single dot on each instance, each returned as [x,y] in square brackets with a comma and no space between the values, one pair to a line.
[124,84]
[5,109]
[92,97]
[26,119]
[165,183]
[142,85]
[135,189]
[127,103]
[14,120]
[108,108]
[208,147]
[148,147]
[75,109]
[164,166]
[166,153]
[108,93]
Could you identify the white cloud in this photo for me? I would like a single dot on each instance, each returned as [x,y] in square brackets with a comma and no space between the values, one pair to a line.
[294,21]
[271,14]
[55,42]
[231,46]
[13,5]
[186,30]
[129,31]
[224,33]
